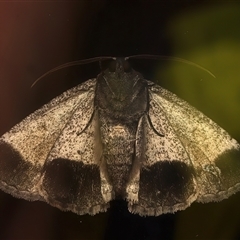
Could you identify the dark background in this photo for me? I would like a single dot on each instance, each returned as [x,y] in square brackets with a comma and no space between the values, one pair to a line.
[37,36]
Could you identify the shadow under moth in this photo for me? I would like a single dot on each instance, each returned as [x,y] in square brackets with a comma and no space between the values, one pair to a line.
[119,136]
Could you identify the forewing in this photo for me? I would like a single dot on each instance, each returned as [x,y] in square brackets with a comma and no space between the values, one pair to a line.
[43,147]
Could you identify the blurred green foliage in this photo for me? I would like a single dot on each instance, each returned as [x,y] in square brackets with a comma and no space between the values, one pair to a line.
[208,36]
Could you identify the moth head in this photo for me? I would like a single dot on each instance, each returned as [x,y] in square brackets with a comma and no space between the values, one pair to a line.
[119,70]
[120,65]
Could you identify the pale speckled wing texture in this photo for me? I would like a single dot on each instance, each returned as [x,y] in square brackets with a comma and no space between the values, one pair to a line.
[48,150]
[195,159]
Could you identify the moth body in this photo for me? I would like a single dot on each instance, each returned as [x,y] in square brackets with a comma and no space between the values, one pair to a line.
[120,101]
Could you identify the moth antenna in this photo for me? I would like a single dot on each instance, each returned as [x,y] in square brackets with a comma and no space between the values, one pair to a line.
[147,56]
[69,64]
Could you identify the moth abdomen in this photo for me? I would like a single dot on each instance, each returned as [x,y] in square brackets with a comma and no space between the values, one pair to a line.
[119,176]
[118,154]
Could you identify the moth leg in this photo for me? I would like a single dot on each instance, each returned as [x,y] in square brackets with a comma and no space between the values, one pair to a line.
[132,188]
[106,187]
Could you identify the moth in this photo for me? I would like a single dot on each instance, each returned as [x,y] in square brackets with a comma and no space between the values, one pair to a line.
[119,136]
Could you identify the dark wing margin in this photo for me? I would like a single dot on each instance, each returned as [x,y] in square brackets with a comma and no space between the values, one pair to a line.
[50,155]
[194,160]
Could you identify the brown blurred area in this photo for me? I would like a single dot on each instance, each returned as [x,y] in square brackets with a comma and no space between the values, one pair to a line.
[35,37]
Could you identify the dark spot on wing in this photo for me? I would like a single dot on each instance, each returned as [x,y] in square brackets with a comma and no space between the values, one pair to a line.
[16,171]
[229,165]
[166,183]
[69,182]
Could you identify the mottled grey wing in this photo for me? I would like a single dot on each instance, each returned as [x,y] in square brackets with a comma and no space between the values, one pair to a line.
[51,155]
[192,159]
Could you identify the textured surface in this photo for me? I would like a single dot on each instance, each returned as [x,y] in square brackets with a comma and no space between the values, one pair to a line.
[119,136]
